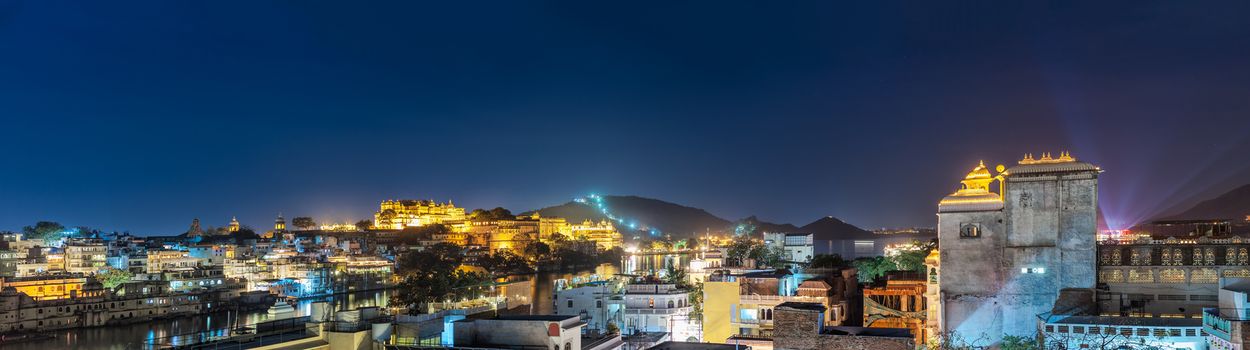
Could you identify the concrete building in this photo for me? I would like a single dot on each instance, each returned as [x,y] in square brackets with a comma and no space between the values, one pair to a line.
[1152,277]
[1228,326]
[85,256]
[1005,256]
[556,332]
[660,308]
[744,305]
[596,303]
[801,326]
[798,247]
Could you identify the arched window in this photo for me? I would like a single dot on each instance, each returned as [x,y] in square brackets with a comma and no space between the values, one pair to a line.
[568,346]
[670,304]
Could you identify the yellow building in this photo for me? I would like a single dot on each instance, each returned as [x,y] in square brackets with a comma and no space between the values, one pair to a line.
[551,225]
[397,214]
[47,288]
[603,233]
[720,299]
[170,260]
[513,234]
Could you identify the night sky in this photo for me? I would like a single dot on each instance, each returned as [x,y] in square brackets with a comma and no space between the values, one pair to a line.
[143,116]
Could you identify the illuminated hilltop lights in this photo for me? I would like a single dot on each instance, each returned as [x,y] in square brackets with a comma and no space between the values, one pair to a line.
[596,201]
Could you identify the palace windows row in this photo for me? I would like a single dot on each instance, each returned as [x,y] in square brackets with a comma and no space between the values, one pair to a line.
[1170,275]
[1175,256]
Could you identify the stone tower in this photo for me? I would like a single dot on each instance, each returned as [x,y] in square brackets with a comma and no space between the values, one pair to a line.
[279,225]
[1004,258]
[195,229]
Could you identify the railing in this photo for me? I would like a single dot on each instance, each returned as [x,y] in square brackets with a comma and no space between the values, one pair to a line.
[263,331]
[1229,314]
[782,298]
[352,327]
[658,311]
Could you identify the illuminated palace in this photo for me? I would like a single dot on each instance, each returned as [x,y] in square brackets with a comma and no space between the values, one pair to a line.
[1169,277]
[495,234]
[1005,256]
[397,214]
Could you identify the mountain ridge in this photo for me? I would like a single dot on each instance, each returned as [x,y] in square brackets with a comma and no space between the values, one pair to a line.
[1233,204]
[685,221]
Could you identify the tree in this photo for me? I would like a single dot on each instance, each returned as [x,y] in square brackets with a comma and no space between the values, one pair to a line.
[740,249]
[245,233]
[499,213]
[364,225]
[111,277]
[676,275]
[426,287]
[869,269]
[911,257]
[827,261]
[432,274]
[48,231]
[441,258]
[537,251]
[612,328]
[1012,342]
[303,222]
[695,298]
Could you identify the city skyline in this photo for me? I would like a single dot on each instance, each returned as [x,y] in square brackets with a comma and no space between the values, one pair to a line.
[790,114]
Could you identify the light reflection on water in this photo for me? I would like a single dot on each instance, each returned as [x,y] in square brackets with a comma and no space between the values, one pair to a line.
[183,329]
[187,329]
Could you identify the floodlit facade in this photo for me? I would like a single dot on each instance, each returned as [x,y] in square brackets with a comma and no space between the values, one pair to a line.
[1005,255]
[603,233]
[397,214]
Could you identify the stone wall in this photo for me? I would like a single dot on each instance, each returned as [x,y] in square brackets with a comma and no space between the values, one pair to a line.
[795,329]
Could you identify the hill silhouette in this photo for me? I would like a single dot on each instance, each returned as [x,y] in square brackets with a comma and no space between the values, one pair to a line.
[684,221]
[1234,204]
[831,228]
[671,218]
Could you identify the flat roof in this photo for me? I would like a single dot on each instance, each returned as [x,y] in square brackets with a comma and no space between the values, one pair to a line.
[681,345]
[1130,321]
[802,306]
[533,317]
[869,331]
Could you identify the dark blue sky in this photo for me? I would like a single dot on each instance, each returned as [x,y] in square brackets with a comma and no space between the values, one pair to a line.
[142,116]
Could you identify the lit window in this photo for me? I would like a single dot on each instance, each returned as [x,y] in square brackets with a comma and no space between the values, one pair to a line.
[970,231]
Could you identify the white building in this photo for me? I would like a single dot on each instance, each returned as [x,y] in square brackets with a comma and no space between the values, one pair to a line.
[658,308]
[594,302]
[85,256]
[556,332]
[797,246]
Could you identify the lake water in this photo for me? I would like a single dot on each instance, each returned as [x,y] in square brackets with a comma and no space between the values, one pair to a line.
[541,289]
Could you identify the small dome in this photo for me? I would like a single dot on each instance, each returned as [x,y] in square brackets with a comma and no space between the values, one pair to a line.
[979,173]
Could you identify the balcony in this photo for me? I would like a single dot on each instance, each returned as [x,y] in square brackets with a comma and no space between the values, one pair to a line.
[778,299]
[658,311]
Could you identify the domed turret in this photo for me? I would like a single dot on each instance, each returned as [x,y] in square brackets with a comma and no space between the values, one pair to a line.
[975,193]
